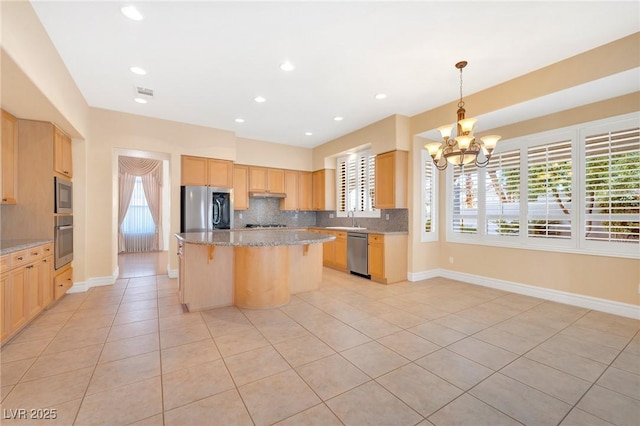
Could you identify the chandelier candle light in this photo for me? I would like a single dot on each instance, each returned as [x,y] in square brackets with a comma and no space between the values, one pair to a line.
[464,148]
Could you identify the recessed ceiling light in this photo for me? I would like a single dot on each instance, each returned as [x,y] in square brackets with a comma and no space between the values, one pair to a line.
[287,66]
[239,120]
[308,133]
[338,118]
[132,13]
[140,100]
[138,70]
[259,99]
[381,96]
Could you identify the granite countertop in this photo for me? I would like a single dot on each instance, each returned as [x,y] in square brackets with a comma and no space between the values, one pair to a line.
[361,231]
[11,246]
[262,238]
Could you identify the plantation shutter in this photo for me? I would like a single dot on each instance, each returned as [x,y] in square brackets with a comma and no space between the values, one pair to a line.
[428,194]
[371,180]
[549,190]
[612,186]
[342,184]
[465,199]
[502,194]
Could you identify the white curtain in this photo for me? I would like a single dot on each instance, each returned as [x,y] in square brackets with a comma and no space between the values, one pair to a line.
[150,172]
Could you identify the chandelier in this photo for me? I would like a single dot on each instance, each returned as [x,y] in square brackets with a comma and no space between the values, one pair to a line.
[464,148]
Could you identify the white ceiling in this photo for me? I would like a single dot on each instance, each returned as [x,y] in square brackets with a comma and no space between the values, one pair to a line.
[206,61]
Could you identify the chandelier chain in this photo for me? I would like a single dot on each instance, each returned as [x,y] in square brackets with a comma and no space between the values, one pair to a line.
[461,102]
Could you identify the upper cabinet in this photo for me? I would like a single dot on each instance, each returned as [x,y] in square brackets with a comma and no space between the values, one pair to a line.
[305,192]
[324,189]
[262,179]
[291,188]
[201,171]
[9,142]
[62,159]
[240,187]
[391,180]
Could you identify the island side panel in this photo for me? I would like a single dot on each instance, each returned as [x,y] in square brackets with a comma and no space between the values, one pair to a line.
[306,267]
[261,276]
[208,280]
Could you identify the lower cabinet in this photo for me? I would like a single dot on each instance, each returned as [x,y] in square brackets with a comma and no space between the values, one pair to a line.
[334,253]
[387,258]
[62,282]
[26,287]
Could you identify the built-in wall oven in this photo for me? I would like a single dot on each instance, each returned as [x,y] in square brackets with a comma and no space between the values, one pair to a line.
[63,196]
[63,240]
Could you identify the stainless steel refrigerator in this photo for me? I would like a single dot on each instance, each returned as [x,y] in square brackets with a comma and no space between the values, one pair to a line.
[205,208]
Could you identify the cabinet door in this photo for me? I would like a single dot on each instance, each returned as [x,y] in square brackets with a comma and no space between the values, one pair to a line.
[329,252]
[240,187]
[18,293]
[62,282]
[318,190]
[194,171]
[291,183]
[257,179]
[32,290]
[9,143]
[385,182]
[275,180]
[181,272]
[376,255]
[220,173]
[341,250]
[45,283]
[5,298]
[305,194]
[62,155]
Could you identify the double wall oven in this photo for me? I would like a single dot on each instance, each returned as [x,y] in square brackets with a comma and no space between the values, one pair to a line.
[63,226]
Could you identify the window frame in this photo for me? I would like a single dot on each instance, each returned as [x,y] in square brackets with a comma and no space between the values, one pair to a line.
[577,243]
[360,180]
[432,235]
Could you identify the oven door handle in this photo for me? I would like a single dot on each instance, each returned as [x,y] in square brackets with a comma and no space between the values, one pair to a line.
[63,228]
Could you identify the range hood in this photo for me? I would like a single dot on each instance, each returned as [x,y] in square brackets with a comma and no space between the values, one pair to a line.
[264,194]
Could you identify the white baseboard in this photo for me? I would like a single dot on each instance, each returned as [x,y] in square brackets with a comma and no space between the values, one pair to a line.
[172,273]
[597,304]
[82,286]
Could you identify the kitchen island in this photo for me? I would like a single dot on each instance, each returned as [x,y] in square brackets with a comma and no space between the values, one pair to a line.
[249,269]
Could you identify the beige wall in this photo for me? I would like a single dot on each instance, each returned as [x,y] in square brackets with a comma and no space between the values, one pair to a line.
[259,153]
[385,135]
[614,279]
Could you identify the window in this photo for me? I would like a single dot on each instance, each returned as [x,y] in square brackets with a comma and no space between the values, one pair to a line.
[574,189]
[429,197]
[138,219]
[355,179]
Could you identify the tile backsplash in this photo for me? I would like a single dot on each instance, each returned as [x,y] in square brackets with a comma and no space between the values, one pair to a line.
[267,210]
[398,220]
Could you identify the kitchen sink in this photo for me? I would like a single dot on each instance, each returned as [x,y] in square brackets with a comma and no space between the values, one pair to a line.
[346,228]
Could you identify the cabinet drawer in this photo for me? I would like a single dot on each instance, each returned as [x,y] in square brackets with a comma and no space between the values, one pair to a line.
[376,238]
[47,250]
[35,253]
[19,258]
[341,235]
[62,283]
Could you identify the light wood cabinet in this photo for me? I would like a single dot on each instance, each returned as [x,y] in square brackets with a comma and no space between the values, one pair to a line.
[5,330]
[45,281]
[62,282]
[62,153]
[202,171]
[263,179]
[18,298]
[240,187]
[181,271]
[292,190]
[305,191]
[387,258]
[391,180]
[340,243]
[324,189]
[9,146]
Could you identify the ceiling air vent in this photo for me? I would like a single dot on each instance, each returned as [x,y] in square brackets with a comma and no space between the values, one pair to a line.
[143,91]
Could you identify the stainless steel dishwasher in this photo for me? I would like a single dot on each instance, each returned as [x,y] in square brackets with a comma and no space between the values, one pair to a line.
[357,253]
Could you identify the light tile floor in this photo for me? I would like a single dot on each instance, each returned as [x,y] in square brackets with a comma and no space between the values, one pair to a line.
[354,352]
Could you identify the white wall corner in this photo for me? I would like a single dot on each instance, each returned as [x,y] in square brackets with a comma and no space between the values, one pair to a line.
[82,286]
[597,304]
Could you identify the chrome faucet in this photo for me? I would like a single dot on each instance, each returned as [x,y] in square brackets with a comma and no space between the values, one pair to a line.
[353,218]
